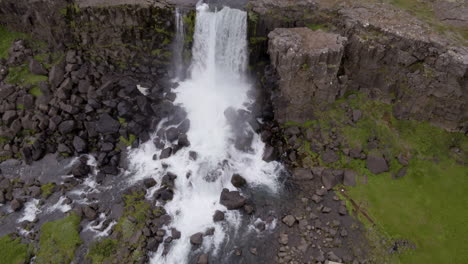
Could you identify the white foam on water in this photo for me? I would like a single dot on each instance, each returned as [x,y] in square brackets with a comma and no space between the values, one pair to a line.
[59,205]
[217,82]
[31,210]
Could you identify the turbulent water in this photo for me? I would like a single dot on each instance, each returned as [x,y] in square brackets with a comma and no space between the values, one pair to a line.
[216,82]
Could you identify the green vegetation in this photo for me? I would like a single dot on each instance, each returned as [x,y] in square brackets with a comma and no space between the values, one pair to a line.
[49,59]
[35,91]
[20,107]
[102,250]
[13,251]
[6,40]
[47,189]
[128,142]
[21,75]
[322,27]
[426,206]
[58,240]
[425,11]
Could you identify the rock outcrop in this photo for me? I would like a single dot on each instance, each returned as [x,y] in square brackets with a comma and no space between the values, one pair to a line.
[307,63]
[389,55]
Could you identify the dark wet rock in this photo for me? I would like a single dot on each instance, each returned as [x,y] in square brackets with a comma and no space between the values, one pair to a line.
[376,163]
[67,127]
[16,205]
[168,180]
[107,124]
[149,182]
[232,200]
[303,174]
[164,194]
[81,169]
[166,153]
[260,226]
[202,259]
[172,134]
[326,210]
[249,209]
[210,231]
[184,127]
[403,159]
[175,233]
[183,141]
[238,181]
[330,156]
[89,213]
[289,220]
[35,191]
[80,145]
[349,178]
[193,155]
[218,216]
[269,154]
[196,239]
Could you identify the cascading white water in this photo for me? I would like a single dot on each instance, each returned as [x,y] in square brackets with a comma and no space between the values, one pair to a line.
[179,43]
[217,82]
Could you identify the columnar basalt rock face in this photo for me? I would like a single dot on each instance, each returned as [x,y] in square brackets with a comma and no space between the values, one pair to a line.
[390,55]
[307,63]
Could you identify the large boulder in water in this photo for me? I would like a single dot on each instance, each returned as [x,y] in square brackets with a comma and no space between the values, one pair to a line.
[232,200]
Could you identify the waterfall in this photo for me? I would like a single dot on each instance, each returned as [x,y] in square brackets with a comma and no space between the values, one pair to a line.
[217,82]
[179,44]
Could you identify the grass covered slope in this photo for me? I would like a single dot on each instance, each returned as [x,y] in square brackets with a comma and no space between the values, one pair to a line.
[6,40]
[59,240]
[427,207]
[12,251]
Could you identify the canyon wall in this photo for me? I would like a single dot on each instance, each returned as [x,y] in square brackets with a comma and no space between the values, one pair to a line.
[389,55]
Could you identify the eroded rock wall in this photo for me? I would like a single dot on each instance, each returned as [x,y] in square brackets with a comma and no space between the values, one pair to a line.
[389,55]
[307,63]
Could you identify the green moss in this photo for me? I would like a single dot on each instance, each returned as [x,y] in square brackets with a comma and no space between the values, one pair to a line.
[20,106]
[6,40]
[47,189]
[59,240]
[35,91]
[128,142]
[21,75]
[4,140]
[102,250]
[256,40]
[13,251]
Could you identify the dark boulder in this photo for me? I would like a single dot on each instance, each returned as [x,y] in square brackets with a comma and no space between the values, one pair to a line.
[349,177]
[269,154]
[106,124]
[232,200]
[330,156]
[218,216]
[238,181]
[67,126]
[36,67]
[149,182]
[81,169]
[196,239]
[80,145]
[16,205]
[165,153]
[376,163]
[302,174]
